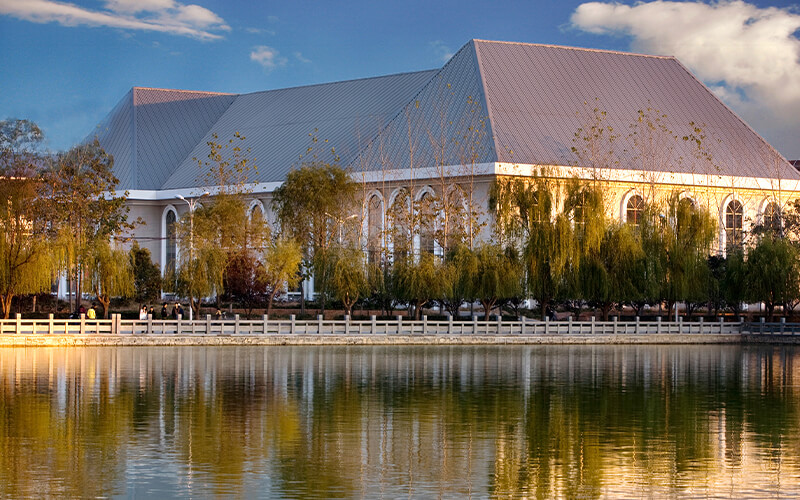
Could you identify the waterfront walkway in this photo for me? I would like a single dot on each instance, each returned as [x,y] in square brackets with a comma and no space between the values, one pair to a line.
[267,331]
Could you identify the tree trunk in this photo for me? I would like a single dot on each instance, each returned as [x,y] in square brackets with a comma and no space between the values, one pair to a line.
[488,305]
[5,301]
[105,301]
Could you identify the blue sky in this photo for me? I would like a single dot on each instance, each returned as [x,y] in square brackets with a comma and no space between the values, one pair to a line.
[65,65]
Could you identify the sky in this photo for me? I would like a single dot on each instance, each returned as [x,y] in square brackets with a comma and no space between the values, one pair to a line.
[65,65]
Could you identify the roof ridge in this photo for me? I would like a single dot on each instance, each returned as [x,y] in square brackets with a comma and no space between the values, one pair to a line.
[341,81]
[136,87]
[566,47]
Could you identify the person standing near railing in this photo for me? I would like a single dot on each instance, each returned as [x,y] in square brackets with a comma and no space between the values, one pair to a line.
[91,313]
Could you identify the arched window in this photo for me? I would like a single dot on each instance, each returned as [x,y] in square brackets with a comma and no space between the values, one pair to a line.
[171,256]
[772,217]
[635,210]
[427,223]
[400,217]
[374,223]
[733,223]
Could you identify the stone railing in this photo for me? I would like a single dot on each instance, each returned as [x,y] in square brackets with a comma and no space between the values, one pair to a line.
[399,326]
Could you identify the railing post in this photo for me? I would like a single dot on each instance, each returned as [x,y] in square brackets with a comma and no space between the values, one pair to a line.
[18,327]
[721,323]
[547,325]
[658,325]
[680,324]
[347,324]
[499,324]
[292,326]
[149,324]
[474,324]
[236,324]
[593,325]
[264,321]
[424,324]
[616,319]
[319,324]
[449,324]
[82,330]
[399,324]
[569,324]
[50,324]
[177,326]
[761,326]
[637,326]
[783,325]
[208,324]
[702,324]
[113,324]
[522,327]
[372,319]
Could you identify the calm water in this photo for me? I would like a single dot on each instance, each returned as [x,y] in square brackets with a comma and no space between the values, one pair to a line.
[422,422]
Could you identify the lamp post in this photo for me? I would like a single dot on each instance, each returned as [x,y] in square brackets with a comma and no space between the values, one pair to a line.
[192,202]
[340,222]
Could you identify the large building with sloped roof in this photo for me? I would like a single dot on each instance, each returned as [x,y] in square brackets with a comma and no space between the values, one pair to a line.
[643,124]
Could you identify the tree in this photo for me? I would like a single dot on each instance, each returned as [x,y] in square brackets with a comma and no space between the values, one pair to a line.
[26,259]
[242,280]
[348,279]
[496,277]
[281,261]
[85,208]
[458,278]
[146,275]
[314,206]
[417,281]
[108,272]
[772,273]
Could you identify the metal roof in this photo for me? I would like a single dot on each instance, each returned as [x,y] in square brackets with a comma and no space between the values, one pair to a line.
[492,102]
[278,125]
[539,96]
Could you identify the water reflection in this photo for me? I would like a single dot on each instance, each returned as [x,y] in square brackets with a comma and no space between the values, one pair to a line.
[328,422]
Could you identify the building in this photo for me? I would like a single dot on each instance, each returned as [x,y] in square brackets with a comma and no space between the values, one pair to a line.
[642,124]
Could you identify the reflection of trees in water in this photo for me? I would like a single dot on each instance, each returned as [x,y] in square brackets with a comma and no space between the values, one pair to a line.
[428,421]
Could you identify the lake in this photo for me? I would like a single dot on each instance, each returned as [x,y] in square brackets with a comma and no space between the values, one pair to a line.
[402,421]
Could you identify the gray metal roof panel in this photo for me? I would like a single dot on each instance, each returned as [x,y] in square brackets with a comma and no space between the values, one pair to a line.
[278,125]
[537,120]
[115,134]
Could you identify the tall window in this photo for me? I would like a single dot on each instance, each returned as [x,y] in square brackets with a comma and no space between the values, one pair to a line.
[772,217]
[426,224]
[733,223]
[635,210]
[172,241]
[400,214]
[374,219]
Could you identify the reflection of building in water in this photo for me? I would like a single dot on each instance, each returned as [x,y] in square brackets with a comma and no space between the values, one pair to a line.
[505,421]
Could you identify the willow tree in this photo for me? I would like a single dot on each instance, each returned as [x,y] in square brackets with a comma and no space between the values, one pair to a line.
[688,233]
[281,260]
[348,277]
[108,272]
[458,278]
[85,208]
[496,277]
[315,206]
[26,260]
[417,281]
[772,274]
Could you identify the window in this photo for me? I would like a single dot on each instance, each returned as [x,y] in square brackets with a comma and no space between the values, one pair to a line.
[426,224]
[374,219]
[733,223]
[172,242]
[772,217]
[635,210]
[400,214]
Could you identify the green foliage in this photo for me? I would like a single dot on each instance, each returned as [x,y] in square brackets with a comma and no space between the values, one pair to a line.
[772,272]
[281,261]
[242,281]
[146,275]
[458,278]
[496,277]
[26,257]
[735,280]
[348,278]
[417,282]
[315,206]
[108,272]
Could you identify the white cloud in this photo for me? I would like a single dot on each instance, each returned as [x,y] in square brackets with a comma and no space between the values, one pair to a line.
[299,56]
[443,52]
[166,16]
[749,56]
[267,57]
